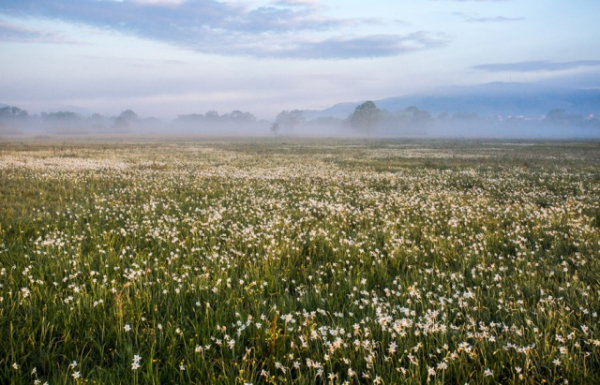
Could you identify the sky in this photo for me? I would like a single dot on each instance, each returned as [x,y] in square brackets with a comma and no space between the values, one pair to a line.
[163,58]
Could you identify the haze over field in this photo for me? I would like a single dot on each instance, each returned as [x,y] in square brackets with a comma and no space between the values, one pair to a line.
[497,60]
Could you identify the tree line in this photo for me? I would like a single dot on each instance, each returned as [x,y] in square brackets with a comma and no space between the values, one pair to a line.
[366,119]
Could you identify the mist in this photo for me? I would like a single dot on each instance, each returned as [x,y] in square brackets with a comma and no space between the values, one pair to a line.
[408,122]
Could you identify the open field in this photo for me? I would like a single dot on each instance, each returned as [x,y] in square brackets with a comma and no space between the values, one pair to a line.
[299,262]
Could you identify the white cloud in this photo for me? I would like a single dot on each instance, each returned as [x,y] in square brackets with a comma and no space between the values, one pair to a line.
[232,28]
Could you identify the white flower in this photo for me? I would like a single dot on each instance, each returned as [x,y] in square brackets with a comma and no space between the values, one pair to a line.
[15,365]
[127,328]
[76,375]
[488,372]
[136,362]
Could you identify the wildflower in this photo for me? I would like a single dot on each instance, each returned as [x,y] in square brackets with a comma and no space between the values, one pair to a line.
[556,362]
[563,350]
[278,365]
[76,375]
[136,362]
[488,372]
[127,328]
[15,366]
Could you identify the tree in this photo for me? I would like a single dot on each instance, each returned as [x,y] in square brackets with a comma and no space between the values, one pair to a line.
[275,128]
[125,118]
[464,115]
[212,115]
[242,117]
[560,116]
[289,119]
[366,117]
[556,114]
[12,112]
[60,116]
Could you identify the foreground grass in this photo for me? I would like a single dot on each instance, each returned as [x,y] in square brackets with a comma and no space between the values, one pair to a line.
[300,263]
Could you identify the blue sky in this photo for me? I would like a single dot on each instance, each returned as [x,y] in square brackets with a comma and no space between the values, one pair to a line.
[168,57]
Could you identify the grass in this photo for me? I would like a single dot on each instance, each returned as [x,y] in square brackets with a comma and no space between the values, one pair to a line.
[299,262]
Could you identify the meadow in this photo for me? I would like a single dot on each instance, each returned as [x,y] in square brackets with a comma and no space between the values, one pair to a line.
[299,262]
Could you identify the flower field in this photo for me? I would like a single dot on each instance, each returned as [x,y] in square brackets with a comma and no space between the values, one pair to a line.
[264,262]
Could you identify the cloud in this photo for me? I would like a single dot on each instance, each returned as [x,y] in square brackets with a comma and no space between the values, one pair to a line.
[475,18]
[477,1]
[369,46]
[534,66]
[497,19]
[297,3]
[17,33]
[278,29]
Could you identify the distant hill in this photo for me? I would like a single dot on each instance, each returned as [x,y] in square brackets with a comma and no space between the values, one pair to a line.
[486,99]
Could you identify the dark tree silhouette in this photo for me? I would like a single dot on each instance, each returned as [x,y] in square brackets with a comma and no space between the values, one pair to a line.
[366,117]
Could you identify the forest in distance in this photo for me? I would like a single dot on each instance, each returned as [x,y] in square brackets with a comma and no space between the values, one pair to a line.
[410,121]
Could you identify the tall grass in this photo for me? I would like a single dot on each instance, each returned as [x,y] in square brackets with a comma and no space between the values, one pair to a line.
[300,263]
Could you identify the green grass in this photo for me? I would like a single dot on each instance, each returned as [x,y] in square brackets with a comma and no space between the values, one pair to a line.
[300,262]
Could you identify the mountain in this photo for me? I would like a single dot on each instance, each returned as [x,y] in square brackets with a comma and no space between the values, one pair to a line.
[487,100]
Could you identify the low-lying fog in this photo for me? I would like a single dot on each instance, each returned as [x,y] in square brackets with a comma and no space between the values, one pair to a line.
[367,120]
